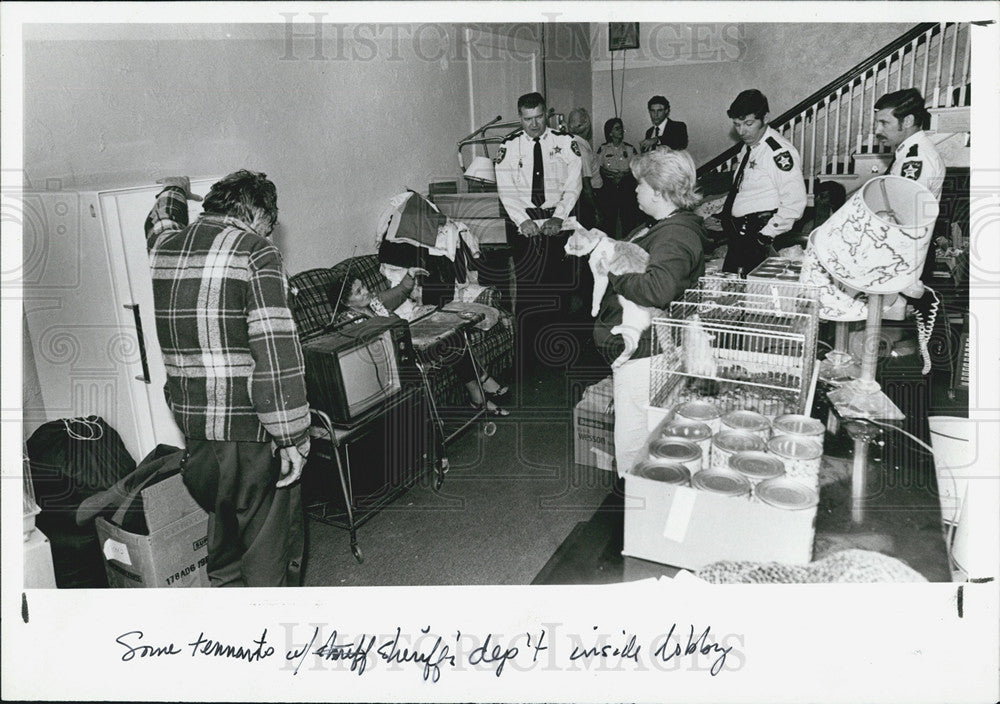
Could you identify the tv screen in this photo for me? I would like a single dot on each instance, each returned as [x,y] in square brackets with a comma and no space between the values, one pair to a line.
[369,374]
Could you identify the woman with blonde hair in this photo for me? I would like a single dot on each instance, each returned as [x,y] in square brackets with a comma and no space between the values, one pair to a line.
[675,243]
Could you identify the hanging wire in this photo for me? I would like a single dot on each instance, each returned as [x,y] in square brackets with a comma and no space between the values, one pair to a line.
[614,102]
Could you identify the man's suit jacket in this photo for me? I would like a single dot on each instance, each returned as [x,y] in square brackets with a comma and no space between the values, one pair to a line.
[674,136]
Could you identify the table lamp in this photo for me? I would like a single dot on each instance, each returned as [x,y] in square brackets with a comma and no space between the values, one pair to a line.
[481,170]
[876,245]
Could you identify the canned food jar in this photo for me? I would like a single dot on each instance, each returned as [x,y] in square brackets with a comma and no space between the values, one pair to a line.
[666,472]
[676,450]
[801,456]
[786,493]
[727,443]
[748,422]
[722,481]
[800,426]
[698,433]
[701,412]
[756,467]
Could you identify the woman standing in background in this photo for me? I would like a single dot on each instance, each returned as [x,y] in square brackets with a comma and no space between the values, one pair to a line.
[617,196]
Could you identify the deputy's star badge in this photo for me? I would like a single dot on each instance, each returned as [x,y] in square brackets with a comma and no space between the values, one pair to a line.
[912,169]
[752,164]
[783,161]
[555,150]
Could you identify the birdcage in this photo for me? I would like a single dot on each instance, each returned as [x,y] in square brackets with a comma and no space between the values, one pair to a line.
[741,344]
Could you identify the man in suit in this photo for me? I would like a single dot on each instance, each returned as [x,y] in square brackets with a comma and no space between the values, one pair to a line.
[665,132]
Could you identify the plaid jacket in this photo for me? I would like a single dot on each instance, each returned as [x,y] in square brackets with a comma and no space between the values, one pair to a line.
[234,365]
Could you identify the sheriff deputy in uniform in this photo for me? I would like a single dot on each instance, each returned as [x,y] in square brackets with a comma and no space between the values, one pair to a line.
[768,193]
[538,174]
[899,121]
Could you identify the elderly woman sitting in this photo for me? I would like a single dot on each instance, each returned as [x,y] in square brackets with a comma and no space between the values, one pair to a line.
[675,242]
[351,300]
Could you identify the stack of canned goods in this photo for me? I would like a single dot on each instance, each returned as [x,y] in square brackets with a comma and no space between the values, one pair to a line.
[800,427]
[757,467]
[719,480]
[667,472]
[802,457]
[727,443]
[700,412]
[698,433]
[675,450]
[748,422]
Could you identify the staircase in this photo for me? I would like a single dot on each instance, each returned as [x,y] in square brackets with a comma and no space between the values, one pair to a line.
[833,129]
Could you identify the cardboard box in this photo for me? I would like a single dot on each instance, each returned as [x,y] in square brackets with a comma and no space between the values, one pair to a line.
[594,427]
[690,528]
[174,554]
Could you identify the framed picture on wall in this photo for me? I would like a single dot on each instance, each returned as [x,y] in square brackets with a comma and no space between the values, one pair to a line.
[623,35]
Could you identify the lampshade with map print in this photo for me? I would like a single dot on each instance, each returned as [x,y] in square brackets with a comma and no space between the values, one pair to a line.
[875,244]
[878,240]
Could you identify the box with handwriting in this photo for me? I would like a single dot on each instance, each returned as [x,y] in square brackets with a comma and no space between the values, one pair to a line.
[173,554]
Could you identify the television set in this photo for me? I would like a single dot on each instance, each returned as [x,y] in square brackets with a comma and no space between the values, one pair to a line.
[354,369]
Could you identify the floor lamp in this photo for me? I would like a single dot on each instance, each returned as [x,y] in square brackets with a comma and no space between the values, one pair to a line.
[875,244]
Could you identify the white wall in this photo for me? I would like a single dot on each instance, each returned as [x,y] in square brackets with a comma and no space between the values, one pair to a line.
[700,68]
[378,109]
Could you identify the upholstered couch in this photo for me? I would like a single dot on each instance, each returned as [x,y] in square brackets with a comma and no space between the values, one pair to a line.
[493,348]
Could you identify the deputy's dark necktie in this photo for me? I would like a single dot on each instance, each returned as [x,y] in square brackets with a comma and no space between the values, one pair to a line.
[727,208]
[537,176]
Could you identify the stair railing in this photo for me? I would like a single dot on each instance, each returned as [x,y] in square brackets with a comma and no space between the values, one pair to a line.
[838,121]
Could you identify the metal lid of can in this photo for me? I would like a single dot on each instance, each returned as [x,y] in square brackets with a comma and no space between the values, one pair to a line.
[737,441]
[686,429]
[795,448]
[795,424]
[787,493]
[757,466]
[746,420]
[667,472]
[674,449]
[721,481]
[697,410]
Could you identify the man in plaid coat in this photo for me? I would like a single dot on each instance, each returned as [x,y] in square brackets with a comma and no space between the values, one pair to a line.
[235,373]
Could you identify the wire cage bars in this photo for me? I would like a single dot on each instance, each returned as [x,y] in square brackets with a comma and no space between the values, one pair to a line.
[743,344]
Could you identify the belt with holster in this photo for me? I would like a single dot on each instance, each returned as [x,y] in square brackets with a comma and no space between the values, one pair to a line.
[748,225]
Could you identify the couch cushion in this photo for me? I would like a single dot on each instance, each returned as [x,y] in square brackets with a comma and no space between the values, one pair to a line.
[311,306]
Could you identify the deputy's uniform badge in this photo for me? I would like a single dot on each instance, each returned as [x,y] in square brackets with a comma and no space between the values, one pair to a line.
[555,150]
[911,169]
[783,161]
[574,146]
[500,155]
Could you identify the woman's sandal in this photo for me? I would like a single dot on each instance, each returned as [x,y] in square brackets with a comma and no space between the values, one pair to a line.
[500,392]
[496,411]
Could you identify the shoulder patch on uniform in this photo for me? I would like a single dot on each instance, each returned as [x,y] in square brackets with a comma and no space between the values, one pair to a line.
[500,155]
[912,152]
[911,169]
[774,144]
[784,161]
[575,147]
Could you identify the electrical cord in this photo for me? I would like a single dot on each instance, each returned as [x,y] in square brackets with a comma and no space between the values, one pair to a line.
[951,475]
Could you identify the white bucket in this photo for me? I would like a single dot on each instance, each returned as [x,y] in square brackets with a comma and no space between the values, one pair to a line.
[954,460]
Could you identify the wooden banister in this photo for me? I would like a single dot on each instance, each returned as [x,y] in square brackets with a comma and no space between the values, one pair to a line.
[836,85]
